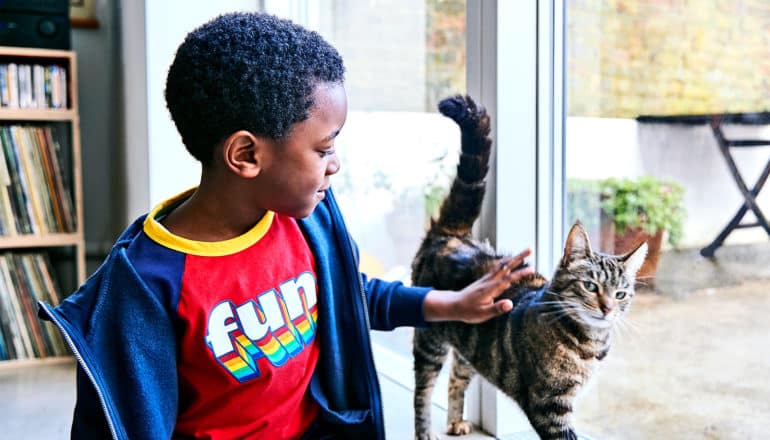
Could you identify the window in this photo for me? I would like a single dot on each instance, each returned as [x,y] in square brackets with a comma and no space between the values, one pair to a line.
[650,84]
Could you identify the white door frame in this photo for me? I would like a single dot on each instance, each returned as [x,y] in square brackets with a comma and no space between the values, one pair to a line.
[515,66]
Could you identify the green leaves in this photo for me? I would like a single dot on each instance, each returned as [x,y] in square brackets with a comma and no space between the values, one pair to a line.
[646,202]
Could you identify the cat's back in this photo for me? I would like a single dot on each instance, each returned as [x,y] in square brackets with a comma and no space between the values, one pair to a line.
[450,262]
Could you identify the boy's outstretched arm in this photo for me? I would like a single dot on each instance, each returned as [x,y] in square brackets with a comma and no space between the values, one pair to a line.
[476,303]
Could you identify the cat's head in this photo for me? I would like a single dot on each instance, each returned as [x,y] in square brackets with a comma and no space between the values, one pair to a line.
[596,288]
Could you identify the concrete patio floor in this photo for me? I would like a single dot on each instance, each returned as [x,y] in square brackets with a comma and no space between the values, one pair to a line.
[695,360]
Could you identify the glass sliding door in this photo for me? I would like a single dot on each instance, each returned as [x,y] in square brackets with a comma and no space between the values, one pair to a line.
[657,91]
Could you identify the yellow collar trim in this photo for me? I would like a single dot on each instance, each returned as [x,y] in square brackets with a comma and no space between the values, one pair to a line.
[158,233]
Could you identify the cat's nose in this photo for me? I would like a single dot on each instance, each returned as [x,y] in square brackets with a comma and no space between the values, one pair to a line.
[605,308]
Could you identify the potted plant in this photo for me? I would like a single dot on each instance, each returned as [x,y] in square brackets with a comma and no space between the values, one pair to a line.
[630,210]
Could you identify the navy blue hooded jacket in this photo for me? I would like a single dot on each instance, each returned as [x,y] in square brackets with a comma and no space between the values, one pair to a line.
[124,338]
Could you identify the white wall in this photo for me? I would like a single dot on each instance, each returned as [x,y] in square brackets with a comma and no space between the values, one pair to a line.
[99,96]
[598,148]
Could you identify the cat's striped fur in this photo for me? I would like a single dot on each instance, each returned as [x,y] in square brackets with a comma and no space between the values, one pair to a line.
[544,350]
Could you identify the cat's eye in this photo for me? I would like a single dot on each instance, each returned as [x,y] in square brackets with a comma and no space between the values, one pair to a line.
[620,294]
[590,287]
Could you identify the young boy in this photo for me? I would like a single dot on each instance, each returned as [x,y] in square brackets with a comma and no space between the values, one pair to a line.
[236,309]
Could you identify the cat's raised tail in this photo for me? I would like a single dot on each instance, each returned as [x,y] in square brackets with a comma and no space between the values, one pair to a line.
[462,205]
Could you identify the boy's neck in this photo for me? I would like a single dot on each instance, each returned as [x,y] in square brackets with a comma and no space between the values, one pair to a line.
[211,215]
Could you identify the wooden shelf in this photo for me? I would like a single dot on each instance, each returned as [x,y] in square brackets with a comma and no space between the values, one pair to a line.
[29,52]
[14,114]
[41,240]
[71,264]
[24,363]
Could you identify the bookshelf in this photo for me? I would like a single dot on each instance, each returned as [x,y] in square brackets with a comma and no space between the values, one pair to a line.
[42,247]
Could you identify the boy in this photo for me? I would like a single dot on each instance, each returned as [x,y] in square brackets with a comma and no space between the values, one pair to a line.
[236,309]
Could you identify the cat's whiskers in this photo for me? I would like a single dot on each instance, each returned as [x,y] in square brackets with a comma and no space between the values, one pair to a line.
[629,324]
[548,303]
[560,314]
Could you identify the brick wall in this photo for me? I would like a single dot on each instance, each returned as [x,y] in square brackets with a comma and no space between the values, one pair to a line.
[632,57]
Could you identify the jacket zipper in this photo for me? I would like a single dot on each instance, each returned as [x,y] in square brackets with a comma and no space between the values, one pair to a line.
[90,375]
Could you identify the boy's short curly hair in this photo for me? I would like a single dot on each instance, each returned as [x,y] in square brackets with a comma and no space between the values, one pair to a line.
[246,71]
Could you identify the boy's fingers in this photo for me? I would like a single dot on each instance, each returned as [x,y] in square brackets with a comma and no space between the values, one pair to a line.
[496,309]
[518,274]
[513,262]
[517,260]
[504,306]
[494,287]
[504,262]
[510,277]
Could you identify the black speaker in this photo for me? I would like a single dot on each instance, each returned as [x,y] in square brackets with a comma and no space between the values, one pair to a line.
[35,23]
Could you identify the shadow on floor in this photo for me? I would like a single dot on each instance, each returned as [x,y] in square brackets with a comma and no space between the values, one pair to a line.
[683,272]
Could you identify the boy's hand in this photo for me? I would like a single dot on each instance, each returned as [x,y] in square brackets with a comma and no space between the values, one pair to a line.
[476,303]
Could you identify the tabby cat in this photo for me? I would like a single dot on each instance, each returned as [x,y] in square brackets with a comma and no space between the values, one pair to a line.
[544,350]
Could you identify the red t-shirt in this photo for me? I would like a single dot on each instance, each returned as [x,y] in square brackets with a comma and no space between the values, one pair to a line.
[247,314]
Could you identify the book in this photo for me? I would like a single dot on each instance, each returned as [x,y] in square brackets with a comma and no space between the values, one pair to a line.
[28,309]
[46,194]
[38,89]
[17,203]
[4,91]
[52,192]
[31,186]
[50,294]
[26,350]
[63,188]
[19,198]
[35,293]
[7,321]
[13,85]
[7,216]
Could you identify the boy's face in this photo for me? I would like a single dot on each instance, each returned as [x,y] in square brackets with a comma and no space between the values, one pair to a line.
[296,170]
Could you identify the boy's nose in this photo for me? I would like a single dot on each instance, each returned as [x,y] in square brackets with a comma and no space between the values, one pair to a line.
[333,166]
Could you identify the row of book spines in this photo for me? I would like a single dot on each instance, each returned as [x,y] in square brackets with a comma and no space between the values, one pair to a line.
[26,278]
[33,86]
[34,195]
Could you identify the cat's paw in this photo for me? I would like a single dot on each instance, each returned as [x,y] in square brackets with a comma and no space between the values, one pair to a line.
[460,427]
[426,436]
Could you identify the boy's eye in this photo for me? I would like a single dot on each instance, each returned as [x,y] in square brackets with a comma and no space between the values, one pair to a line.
[590,286]
[328,152]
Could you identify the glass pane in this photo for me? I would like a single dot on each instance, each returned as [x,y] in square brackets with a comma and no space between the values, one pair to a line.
[397,152]
[653,87]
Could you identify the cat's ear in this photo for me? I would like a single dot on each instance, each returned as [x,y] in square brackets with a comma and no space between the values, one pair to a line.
[634,259]
[577,245]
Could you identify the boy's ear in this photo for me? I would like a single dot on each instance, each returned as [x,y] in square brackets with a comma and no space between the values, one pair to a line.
[243,153]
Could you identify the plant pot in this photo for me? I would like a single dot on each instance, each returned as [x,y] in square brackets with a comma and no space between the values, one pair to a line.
[611,242]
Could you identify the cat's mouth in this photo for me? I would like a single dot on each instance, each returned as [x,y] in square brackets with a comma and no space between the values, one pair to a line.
[598,319]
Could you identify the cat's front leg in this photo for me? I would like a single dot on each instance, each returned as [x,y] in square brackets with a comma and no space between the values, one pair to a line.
[550,413]
[462,373]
